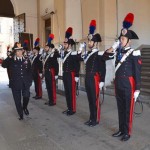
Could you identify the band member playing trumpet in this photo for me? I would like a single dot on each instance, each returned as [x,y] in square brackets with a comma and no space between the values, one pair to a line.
[51,69]
[94,74]
[37,68]
[127,77]
[70,73]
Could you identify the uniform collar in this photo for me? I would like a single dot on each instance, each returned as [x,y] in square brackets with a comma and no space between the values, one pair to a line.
[94,50]
[127,48]
[19,58]
[69,50]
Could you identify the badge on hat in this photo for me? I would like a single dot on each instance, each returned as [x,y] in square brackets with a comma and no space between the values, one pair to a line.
[127,23]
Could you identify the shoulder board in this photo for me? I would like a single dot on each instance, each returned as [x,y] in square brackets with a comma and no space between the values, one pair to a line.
[136,53]
[100,52]
[74,53]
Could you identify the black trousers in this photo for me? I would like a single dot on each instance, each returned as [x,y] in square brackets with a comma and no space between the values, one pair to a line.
[9,75]
[125,104]
[37,84]
[17,95]
[70,90]
[92,90]
[51,85]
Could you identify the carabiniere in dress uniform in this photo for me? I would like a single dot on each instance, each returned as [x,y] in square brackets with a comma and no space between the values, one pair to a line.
[127,77]
[21,79]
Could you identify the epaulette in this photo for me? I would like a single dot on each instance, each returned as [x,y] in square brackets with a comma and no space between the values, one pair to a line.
[74,53]
[136,53]
[100,52]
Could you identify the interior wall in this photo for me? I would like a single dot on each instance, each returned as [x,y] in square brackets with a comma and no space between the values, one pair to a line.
[29,7]
[90,11]
[57,19]
[141,24]
[74,18]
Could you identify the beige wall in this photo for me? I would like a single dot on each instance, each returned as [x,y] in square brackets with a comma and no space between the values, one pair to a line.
[141,25]
[74,18]
[30,8]
[46,6]
[57,20]
[90,11]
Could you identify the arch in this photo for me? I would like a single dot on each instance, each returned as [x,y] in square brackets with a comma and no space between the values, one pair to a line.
[6,9]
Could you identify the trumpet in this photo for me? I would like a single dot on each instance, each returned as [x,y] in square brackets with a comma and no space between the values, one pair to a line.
[61,51]
[42,57]
[83,50]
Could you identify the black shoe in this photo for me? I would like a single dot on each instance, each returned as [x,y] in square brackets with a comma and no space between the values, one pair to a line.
[87,122]
[34,96]
[21,117]
[125,137]
[46,103]
[117,134]
[93,123]
[69,113]
[37,97]
[52,104]
[26,111]
[65,112]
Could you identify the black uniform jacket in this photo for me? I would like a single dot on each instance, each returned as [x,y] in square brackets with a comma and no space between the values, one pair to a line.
[131,67]
[94,63]
[37,65]
[52,62]
[71,62]
[21,74]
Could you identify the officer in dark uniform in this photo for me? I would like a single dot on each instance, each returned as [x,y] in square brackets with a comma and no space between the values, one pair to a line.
[21,79]
[94,75]
[9,55]
[127,79]
[51,69]
[70,73]
[37,68]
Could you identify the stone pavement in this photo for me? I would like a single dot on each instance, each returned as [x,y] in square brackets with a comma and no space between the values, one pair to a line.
[48,129]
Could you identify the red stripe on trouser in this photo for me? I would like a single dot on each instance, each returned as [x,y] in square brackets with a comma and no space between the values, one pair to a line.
[73,92]
[53,84]
[97,80]
[132,82]
[39,86]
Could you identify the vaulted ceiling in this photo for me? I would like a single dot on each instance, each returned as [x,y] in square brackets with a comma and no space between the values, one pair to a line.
[6,9]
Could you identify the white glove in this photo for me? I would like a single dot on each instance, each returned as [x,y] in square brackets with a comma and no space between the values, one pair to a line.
[136,95]
[60,47]
[56,77]
[101,85]
[116,45]
[41,75]
[77,79]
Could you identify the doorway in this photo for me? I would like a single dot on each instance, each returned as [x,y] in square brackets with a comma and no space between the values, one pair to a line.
[47,28]
[6,35]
